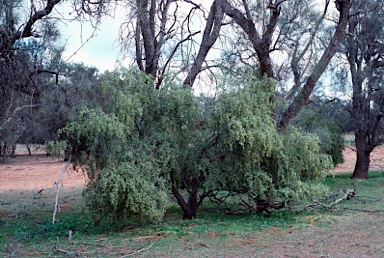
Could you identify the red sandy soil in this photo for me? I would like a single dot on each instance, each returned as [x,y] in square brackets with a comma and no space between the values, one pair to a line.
[38,172]
[349,154]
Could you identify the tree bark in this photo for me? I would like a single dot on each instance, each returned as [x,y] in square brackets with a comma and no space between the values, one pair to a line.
[211,33]
[13,151]
[145,14]
[190,207]
[363,152]
[262,43]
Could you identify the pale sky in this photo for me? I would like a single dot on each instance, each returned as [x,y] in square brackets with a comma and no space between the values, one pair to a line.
[100,51]
[103,49]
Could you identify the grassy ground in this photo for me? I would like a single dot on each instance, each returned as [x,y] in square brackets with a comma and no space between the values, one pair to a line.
[354,229]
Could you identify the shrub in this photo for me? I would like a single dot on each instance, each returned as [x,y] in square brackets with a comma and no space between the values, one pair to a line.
[142,143]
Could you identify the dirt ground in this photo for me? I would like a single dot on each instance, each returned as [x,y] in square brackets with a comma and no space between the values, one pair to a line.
[349,154]
[38,172]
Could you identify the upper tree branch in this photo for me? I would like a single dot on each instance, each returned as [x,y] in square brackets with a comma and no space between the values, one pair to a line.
[27,30]
[297,57]
[211,33]
[261,44]
[299,102]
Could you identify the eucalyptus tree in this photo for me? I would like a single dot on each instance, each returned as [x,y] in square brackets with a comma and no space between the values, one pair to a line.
[363,48]
[168,33]
[267,36]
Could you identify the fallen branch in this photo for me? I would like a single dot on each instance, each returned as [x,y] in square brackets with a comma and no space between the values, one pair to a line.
[69,253]
[138,251]
[345,195]
[64,251]
[58,184]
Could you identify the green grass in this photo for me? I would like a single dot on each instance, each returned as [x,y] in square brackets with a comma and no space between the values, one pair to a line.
[26,228]
[369,193]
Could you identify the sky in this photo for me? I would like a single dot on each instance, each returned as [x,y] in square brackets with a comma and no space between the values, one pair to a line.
[100,51]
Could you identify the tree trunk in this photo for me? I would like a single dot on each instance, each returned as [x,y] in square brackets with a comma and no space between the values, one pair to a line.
[3,148]
[192,205]
[211,34]
[13,151]
[29,149]
[363,152]
[189,208]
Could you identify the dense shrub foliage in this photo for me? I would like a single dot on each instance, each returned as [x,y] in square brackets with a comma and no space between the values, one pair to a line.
[141,144]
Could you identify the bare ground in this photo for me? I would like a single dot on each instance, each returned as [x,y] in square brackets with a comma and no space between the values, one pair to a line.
[349,154]
[36,172]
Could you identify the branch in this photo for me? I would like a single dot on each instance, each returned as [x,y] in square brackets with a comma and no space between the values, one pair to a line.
[297,57]
[58,184]
[260,44]
[15,111]
[198,6]
[211,33]
[299,102]
[27,31]
[174,51]
[247,11]
[138,251]
[345,195]
[40,71]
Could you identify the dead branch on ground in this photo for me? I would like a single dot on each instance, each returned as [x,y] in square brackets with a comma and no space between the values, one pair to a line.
[332,199]
[138,251]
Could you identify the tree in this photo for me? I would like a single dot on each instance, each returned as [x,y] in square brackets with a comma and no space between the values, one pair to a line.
[262,44]
[164,35]
[164,38]
[60,101]
[195,147]
[21,62]
[363,48]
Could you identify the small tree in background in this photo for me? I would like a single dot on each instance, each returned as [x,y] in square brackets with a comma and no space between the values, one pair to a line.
[142,143]
[327,129]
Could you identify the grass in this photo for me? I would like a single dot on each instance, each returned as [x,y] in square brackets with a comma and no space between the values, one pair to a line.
[26,229]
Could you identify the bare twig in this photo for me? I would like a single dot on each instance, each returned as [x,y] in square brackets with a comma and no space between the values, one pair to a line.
[345,195]
[58,183]
[138,251]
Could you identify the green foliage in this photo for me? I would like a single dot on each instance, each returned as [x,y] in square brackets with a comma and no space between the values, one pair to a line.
[259,160]
[55,148]
[328,131]
[140,142]
[125,193]
[136,136]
